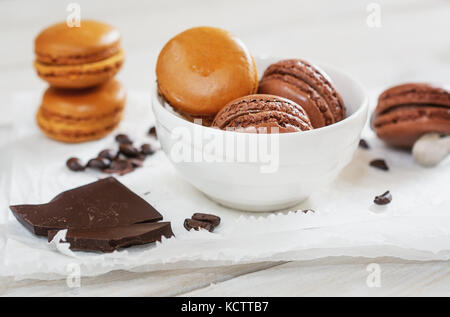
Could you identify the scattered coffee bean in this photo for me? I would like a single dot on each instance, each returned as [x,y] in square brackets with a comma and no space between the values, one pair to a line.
[123,139]
[212,219]
[383,199]
[136,162]
[74,164]
[120,166]
[152,132]
[147,149]
[363,144]
[196,225]
[98,163]
[380,164]
[128,150]
[108,154]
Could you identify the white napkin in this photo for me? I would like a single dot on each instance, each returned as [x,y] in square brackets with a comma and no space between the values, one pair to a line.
[415,226]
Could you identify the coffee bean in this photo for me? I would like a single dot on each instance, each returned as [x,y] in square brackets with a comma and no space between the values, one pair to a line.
[152,132]
[147,149]
[136,162]
[108,154]
[74,164]
[120,166]
[363,144]
[380,164]
[99,163]
[128,150]
[123,139]
[196,225]
[383,199]
[212,219]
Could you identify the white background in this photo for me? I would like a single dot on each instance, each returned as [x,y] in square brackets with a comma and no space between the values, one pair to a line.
[411,44]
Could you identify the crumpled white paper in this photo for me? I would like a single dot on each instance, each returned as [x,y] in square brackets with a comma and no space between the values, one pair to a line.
[415,226]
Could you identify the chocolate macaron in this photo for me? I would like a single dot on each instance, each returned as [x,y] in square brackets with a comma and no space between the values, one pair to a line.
[78,57]
[308,86]
[405,112]
[262,114]
[83,114]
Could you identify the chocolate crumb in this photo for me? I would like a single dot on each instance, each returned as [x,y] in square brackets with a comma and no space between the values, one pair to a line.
[363,144]
[380,164]
[152,132]
[383,199]
[196,225]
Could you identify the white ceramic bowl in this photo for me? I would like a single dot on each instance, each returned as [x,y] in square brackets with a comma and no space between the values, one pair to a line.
[307,160]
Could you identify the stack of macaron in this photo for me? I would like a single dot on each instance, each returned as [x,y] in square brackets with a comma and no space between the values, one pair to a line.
[209,74]
[83,102]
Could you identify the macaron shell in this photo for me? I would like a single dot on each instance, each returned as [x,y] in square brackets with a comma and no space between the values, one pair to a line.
[256,111]
[61,44]
[81,115]
[412,93]
[298,72]
[202,69]
[299,92]
[81,76]
[405,125]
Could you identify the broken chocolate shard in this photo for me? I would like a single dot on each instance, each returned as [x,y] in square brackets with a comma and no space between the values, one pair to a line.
[380,164]
[196,225]
[383,199]
[110,239]
[212,219]
[102,204]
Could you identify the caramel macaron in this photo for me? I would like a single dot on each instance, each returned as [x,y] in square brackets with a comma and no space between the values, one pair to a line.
[262,113]
[78,57]
[83,114]
[307,85]
[201,69]
[405,112]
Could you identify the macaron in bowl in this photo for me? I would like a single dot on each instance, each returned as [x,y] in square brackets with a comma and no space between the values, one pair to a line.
[298,163]
[78,57]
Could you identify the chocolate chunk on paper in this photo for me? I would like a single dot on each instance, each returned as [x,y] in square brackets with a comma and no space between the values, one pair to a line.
[110,239]
[102,204]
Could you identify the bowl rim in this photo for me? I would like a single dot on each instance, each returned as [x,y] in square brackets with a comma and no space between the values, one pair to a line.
[362,107]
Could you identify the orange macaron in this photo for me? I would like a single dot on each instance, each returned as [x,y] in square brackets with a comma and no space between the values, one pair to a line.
[78,57]
[81,115]
[201,69]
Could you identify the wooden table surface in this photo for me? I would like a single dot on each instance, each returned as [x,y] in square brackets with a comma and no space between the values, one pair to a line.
[411,43]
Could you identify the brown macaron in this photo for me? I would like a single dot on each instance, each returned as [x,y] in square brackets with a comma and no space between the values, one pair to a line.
[78,57]
[80,115]
[308,86]
[262,114]
[405,112]
[201,69]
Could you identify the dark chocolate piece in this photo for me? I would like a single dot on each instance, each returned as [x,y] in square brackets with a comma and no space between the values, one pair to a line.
[212,219]
[380,164]
[74,164]
[363,144]
[123,139]
[104,203]
[110,239]
[196,225]
[383,199]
